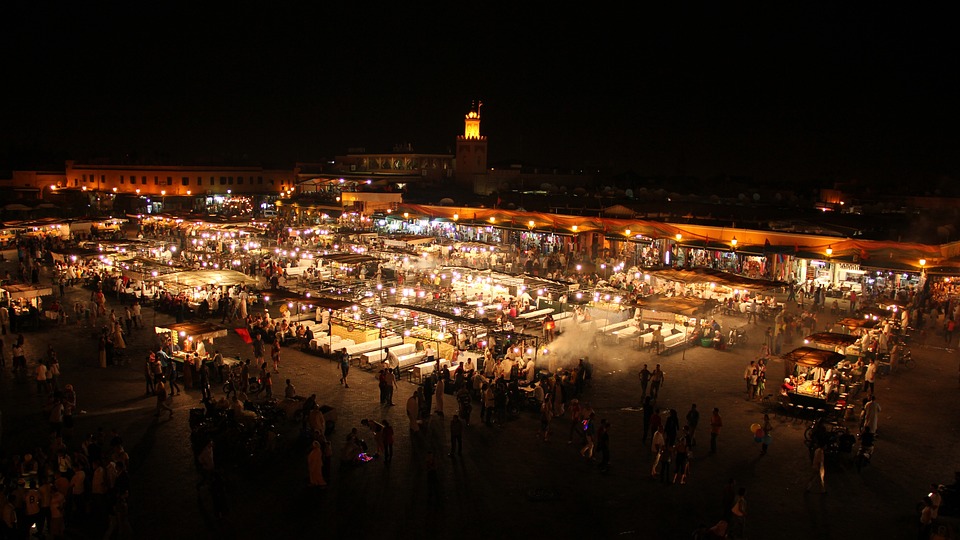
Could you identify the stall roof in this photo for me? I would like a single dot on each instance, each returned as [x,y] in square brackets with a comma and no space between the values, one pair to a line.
[832,339]
[17,291]
[709,275]
[810,357]
[853,322]
[682,305]
[443,315]
[284,295]
[348,258]
[199,278]
[195,330]
[79,252]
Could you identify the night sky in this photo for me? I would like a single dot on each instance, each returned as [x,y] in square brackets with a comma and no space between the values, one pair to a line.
[824,93]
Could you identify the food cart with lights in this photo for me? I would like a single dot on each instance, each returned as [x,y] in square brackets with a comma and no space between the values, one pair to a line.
[809,386]
[25,304]
[187,340]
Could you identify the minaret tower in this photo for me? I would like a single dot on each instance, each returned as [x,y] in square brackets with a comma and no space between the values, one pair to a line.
[471,147]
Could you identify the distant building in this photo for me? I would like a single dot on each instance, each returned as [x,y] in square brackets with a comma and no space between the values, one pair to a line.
[471,165]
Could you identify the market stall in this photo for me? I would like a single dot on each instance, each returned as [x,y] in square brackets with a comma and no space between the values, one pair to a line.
[186,340]
[26,305]
[810,383]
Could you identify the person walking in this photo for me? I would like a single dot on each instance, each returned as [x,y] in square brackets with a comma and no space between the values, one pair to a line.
[716,422]
[456,436]
[162,400]
[693,418]
[869,376]
[817,472]
[657,448]
[681,464]
[644,376]
[656,381]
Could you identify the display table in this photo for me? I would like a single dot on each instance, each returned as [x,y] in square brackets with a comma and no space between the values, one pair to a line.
[425,369]
[534,314]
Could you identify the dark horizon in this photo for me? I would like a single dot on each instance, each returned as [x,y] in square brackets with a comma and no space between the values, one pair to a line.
[777,97]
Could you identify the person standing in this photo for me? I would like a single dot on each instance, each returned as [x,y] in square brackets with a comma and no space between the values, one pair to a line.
[258,348]
[871,416]
[390,383]
[747,374]
[148,373]
[656,381]
[767,428]
[870,376]
[315,466]
[716,422]
[387,442]
[344,359]
[438,396]
[647,415]
[644,381]
[41,377]
[275,355]
[413,413]
[693,418]
[456,436]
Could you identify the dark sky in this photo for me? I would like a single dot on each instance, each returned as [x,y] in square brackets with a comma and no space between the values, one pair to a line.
[826,92]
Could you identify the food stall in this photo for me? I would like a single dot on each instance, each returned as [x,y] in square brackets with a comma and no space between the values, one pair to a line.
[26,304]
[188,339]
[809,385]
[848,370]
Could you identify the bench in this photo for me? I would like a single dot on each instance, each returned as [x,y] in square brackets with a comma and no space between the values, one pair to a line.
[673,340]
[367,346]
[610,328]
[411,359]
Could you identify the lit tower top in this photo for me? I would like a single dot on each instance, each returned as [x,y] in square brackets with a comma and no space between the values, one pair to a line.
[471,124]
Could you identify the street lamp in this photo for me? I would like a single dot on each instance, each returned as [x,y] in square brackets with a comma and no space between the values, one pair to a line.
[829,251]
[733,242]
[574,228]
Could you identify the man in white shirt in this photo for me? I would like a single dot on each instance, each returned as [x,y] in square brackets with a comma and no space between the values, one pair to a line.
[392,363]
[870,376]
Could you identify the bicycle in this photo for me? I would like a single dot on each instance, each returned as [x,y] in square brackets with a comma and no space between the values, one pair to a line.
[907,360]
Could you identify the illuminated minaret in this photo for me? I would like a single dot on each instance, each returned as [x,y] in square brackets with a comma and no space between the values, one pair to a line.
[471,147]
